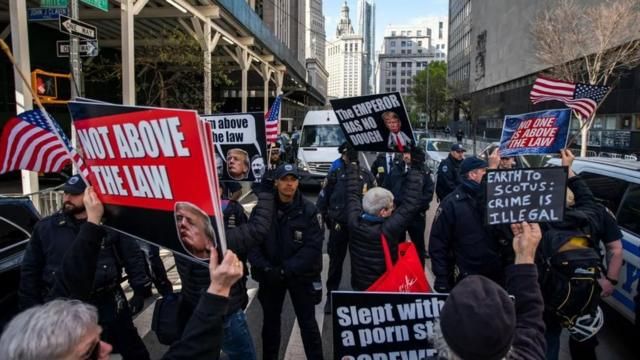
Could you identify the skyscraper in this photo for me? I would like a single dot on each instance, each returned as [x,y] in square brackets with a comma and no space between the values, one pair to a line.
[345,59]
[367,28]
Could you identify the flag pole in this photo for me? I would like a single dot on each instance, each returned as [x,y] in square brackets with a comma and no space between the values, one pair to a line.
[50,121]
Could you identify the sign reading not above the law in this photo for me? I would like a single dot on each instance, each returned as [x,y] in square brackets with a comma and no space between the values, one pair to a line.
[532,195]
[77,28]
[99,4]
[88,48]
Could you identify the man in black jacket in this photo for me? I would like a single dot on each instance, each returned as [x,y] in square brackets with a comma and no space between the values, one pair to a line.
[449,172]
[396,182]
[382,166]
[290,259]
[372,215]
[332,205]
[51,239]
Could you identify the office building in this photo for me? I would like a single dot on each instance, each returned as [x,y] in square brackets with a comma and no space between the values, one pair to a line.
[367,28]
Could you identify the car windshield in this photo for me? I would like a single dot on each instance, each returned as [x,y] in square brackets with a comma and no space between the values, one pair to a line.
[322,136]
[439,145]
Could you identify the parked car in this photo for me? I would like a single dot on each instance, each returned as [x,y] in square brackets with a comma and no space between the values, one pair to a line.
[18,216]
[616,183]
[436,151]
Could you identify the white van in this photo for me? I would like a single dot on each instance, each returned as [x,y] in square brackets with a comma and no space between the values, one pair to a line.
[320,138]
[616,183]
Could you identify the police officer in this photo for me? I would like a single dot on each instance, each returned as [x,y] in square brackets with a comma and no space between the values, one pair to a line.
[396,182]
[332,204]
[52,237]
[449,172]
[290,259]
[460,244]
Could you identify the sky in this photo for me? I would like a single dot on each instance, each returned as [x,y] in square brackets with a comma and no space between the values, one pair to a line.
[396,12]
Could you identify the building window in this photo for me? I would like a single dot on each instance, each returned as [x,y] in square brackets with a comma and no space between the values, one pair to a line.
[402,51]
[419,51]
[394,64]
[388,81]
[403,82]
[419,42]
[403,90]
[393,33]
[392,43]
[393,51]
[419,33]
[403,43]
[356,47]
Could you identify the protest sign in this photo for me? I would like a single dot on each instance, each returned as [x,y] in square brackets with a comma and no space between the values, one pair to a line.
[375,122]
[532,195]
[368,325]
[240,143]
[151,169]
[541,132]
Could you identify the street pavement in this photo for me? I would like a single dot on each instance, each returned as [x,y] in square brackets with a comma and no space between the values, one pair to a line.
[615,338]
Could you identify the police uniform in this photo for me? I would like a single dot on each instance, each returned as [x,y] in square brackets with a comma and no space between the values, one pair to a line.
[448,177]
[290,260]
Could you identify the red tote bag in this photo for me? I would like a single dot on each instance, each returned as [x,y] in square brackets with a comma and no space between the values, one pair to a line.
[407,275]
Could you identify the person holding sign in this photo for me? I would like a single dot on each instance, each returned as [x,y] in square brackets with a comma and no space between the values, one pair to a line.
[398,140]
[238,164]
[460,243]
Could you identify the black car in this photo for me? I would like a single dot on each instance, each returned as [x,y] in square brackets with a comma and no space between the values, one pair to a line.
[18,216]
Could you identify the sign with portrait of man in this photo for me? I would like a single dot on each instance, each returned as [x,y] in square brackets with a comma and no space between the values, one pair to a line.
[240,143]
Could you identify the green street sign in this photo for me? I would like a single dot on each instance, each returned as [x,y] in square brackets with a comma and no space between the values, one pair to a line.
[54,3]
[100,4]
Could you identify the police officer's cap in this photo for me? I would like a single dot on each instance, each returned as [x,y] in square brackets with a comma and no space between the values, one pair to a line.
[287,169]
[458,147]
[74,185]
[472,163]
[343,148]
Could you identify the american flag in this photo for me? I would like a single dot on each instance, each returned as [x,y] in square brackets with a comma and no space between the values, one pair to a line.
[582,98]
[29,143]
[272,121]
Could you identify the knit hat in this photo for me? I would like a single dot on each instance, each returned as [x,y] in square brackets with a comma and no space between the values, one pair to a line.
[472,163]
[478,319]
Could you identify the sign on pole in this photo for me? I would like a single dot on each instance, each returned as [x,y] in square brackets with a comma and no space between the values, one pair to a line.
[46,13]
[88,48]
[54,3]
[77,28]
[532,195]
[99,4]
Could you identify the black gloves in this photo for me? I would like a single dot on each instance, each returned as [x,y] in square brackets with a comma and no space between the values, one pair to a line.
[441,285]
[417,158]
[136,304]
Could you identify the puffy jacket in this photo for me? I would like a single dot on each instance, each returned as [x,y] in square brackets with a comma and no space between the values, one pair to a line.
[367,257]
[294,242]
[240,238]
[332,198]
[51,239]
[448,177]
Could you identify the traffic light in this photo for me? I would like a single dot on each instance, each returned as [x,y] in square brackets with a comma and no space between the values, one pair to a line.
[51,88]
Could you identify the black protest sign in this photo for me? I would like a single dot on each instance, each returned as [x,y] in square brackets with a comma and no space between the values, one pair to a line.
[375,122]
[532,195]
[240,143]
[368,325]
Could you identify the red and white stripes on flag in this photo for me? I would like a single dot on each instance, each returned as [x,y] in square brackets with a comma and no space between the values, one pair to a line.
[272,121]
[29,143]
[582,98]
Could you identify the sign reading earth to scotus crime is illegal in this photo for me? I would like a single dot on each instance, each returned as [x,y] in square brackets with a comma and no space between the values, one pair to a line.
[532,195]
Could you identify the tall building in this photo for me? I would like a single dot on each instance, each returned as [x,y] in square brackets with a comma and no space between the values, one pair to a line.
[315,40]
[367,28]
[285,18]
[344,59]
[406,50]
[459,55]
[439,35]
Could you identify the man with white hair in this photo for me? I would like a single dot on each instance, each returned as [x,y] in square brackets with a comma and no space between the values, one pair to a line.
[372,215]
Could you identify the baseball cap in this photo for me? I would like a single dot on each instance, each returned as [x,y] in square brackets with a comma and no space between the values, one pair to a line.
[458,147]
[472,163]
[74,185]
[286,169]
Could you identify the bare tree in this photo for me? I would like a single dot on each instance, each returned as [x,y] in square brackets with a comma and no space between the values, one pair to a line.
[590,43]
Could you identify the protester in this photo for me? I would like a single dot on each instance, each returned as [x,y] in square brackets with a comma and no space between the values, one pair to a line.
[238,164]
[51,239]
[333,207]
[373,214]
[290,260]
[382,166]
[449,172]
[397,183]
[460,244]
[398,140]
[480,320]
[241,235]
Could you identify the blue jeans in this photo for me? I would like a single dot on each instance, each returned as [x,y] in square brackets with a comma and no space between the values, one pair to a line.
[237,342]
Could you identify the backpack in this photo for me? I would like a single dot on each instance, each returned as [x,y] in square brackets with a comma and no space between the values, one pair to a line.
[571,267]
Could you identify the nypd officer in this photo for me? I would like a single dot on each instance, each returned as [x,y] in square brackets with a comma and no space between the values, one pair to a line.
[52,237]
[449,172]
[290,259]
[332,204]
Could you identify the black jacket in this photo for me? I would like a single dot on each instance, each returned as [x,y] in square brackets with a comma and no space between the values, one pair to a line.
[240,238]
[396,182]
[460,238]
[202,336]
[379,168]
[528,340]
[332,198]
[294,242]
[51,239]
[448,177]
[365,248]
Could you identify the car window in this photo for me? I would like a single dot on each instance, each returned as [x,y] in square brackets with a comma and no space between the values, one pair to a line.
[10,234]
[437,145]
[322,136]
[606,189]
[629,215]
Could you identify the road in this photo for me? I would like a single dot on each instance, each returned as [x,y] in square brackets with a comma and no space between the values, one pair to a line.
[615,338]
